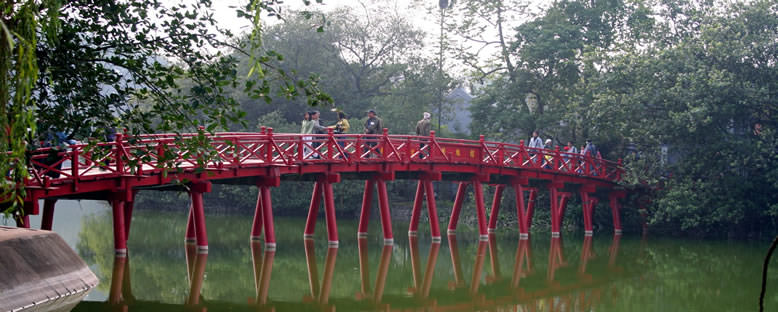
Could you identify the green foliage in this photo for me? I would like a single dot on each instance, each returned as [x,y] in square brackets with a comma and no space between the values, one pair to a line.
[82,67]
[694,77]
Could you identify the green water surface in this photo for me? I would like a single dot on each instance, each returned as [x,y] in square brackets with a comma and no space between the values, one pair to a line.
[461,273]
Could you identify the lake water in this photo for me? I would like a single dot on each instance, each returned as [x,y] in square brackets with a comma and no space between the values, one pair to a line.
[604,273]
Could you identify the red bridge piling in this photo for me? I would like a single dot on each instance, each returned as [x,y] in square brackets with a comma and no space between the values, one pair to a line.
[493,214]
[367,201]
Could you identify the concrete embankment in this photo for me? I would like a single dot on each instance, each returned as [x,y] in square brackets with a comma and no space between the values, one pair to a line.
[40,272]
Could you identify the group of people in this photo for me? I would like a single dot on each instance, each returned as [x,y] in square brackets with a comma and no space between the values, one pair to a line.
[589,149]
[373,125]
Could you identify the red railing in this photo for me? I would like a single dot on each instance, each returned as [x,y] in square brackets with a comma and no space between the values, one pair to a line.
[151,154]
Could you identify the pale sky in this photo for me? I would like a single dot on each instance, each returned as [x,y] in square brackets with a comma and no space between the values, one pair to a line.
[415,10]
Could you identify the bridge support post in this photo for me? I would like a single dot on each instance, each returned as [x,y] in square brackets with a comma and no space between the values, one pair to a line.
[495,207]
[558,205]
[197,212]
[432,210]
[364,215]
[588,203]
[480,210]
[329,211]
[263,214]
[48,214]
[128,205]
[323,186]
[256,226]
[386,218]
[524,208]
[313,210]
[23,221]
[616,210]
[119,237]
[416,212]
[456,210]
[267,218]
[425,188]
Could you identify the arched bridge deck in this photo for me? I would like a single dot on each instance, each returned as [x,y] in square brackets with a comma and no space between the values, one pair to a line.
[115,171]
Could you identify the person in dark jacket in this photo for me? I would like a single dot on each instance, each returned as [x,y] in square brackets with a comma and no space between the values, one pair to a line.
[423,128]
[373,125]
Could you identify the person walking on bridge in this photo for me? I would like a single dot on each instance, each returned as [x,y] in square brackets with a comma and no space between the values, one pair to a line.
[317,129]
[535,141]
[341,127]
[306,130]
[423,129]
[375,126]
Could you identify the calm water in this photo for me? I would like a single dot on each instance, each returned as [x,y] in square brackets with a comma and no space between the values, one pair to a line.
[605,273]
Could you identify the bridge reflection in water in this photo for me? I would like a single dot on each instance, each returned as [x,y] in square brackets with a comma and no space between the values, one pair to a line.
[563,287]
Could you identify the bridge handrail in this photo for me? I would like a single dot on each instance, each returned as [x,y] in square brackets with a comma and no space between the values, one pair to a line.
[241,149]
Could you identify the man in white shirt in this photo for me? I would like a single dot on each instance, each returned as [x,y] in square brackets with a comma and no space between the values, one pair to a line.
[535,141]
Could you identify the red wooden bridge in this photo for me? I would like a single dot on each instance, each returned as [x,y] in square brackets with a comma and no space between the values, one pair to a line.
[265,159]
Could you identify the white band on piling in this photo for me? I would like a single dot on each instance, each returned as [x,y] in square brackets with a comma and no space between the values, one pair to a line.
[436,238]
[388,241]
[121,252]
[618,231]
[412,233]
[361,234]
[554,234]
[490,230]
[523,235]
[332,243]
[450,231]
[483,237]
[588,233]
[270,246]
[203,247]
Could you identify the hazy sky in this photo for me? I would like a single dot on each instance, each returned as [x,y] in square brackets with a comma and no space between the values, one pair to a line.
[417,11]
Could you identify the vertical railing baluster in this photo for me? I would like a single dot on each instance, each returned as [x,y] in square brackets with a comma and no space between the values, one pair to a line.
[74,167]
[359,149]
[501,154]
[269,145]
[330,139]
[433,144]
[481,150]
[409,149]
[384,143]
[117,154]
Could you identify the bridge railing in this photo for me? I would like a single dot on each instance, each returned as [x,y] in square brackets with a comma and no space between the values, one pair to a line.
[149,154]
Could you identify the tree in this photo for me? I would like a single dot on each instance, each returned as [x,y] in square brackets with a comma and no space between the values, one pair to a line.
[370,60]
[703,92]
[96,64]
